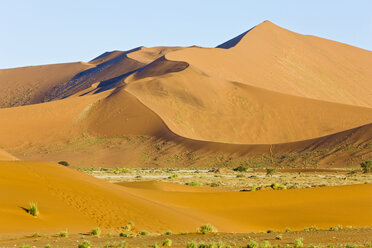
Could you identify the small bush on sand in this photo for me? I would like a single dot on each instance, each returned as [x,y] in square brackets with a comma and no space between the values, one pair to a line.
[63,234]
[335,228]
[271,231]
[270,171]
[25,246]
[125,235]
[48,246]
[33,210]
[279,237]
[240,168]
[298,243]
[129,226]
[85,244]
[142,233]
[195,184]
[312,228]
[366,166]
[168,233]
[205,229]
[156,245]
[191,244]
[252,244]
[167,242]
[96,231]
[64,163]
[36,235]
[287,229]
[266,244]
[350,246]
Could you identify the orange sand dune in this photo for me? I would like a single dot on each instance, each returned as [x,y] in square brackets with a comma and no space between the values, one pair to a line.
[68,199]
[34,84]
[71,200]
[268,91]
[277,59]
[202,107]
[261,210]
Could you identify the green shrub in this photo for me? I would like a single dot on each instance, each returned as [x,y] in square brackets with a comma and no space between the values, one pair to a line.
[281,187]
[205,229]
[156,245]
[129,226]
[266,244]
[85,244]
[279,237]
[48,246]
[167,242]
[240,168]
[191,244]
[366,166]
[298,243]
[63,234]
[287,229]
[335,228]
[64,163]
[252,244]
[126,235]
[350,246]
[142,233]
[168,233]
[270,171]
[312,228]
[195,184]
[36,235]
[271,231]
[25,246]
[96,231]
[33,210]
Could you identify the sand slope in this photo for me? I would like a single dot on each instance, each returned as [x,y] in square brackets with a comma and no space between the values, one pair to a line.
[34,84]
[6,156]
[277,59]
[88,202]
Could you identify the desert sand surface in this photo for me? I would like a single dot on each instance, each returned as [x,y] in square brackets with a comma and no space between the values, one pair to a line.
[71,200]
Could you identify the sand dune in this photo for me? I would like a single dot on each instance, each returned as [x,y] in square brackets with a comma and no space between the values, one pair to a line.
[277,59]
[88,202]
[202,107]
[34,84]
[267,91]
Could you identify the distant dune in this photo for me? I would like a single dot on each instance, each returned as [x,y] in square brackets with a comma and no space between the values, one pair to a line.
[88,202]
[268,92]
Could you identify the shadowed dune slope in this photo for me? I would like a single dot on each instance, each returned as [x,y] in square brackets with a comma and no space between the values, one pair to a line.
[277,59]
[88,202]
[34,84]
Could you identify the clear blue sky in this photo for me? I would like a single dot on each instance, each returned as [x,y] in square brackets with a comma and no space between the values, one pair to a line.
[49,31]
